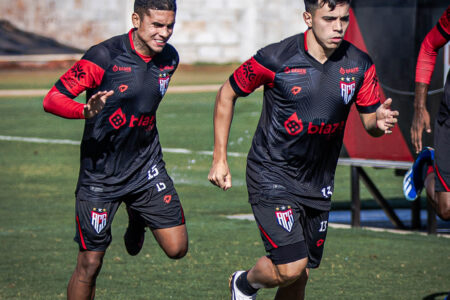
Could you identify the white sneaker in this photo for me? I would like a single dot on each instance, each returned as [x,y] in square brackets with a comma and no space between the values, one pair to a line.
[236,294]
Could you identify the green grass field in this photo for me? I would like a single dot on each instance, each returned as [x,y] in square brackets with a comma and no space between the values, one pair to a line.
[37,217]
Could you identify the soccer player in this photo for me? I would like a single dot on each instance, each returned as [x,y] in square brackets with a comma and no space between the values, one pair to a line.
[310,81]
[432,166]
[125,79]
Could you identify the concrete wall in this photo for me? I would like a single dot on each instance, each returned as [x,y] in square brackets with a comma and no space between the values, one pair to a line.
[206,30]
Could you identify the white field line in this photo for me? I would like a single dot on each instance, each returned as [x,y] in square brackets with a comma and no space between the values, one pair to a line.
[72,142]
[177,89]
[250,217]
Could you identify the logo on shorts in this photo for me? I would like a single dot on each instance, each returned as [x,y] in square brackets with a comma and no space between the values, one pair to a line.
[320,242]
[98,218]
[167,199]
[285,217]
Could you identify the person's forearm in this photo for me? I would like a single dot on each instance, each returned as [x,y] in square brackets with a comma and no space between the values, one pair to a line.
[420,95]
[223,115]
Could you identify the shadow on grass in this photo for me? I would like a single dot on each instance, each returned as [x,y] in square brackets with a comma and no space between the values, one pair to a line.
[437,296]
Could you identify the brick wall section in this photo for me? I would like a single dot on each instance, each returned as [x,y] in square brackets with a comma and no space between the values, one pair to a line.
[206,30]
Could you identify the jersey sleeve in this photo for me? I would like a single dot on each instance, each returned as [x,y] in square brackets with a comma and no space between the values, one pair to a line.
[438,36]
[249,76]
[86,73]
[368,97]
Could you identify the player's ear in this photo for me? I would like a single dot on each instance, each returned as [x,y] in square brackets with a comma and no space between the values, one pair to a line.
[136,20]
[307,17]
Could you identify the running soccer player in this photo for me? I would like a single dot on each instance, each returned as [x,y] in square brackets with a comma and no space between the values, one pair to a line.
[310,81]
[125,79]
[432,166]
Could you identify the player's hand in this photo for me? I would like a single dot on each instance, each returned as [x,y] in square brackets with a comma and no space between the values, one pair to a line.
[96,103]
[220,175]
[421,121]
[386,118]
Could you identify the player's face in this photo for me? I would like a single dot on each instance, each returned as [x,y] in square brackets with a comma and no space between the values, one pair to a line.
[153,30]
[329,26]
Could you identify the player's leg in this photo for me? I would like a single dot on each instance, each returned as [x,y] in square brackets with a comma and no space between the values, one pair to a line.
[93,235]
[282,234]
[82,282]
[438,186]
[161,210]
[315,227]
[296,290]
[173,240]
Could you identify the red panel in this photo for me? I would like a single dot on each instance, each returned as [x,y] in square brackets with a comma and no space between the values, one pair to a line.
[358,143]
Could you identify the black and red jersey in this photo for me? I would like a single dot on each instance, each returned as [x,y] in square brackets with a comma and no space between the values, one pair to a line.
[298,139]
[120,149]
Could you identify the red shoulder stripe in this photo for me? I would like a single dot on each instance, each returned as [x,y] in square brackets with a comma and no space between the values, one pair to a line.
[369,92]
[83,75]
[251,75]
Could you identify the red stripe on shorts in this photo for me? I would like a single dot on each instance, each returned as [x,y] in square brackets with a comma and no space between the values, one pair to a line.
[81,234]
[267,237]
[441,179]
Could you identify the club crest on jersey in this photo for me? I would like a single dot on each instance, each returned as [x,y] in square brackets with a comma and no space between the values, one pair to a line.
[98,219]
[164,79]
[348,87]
[285,217]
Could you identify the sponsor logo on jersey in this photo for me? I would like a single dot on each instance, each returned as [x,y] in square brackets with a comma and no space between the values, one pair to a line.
[164,79]
[285,217]
[98,219]
[117,68]
[348,87]
[166,68]
[119,119]
[294,126]
[295,90]
[123,88]
[348,71]
[300,71]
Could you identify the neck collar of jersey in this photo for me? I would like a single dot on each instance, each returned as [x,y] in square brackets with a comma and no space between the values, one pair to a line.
[145,58]
[305,43]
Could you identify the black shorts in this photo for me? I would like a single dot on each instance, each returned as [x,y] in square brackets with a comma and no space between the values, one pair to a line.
[159,206]
[291,231]
[441,156]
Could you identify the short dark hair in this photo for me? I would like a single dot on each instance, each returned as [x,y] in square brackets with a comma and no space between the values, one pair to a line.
[141,7]
[312,5]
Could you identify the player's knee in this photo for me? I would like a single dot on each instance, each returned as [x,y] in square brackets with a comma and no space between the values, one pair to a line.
[287,276]
[89,266]
[444,213]
[177,252]
[443,207]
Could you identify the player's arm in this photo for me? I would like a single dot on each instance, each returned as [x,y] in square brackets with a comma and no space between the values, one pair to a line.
[381,121]
[219,174]
[85,74]
[434,40]
[244,80]
[377,118]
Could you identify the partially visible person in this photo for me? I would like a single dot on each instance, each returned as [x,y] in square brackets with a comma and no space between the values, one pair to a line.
[125,79]
[311,80]
[431,168]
